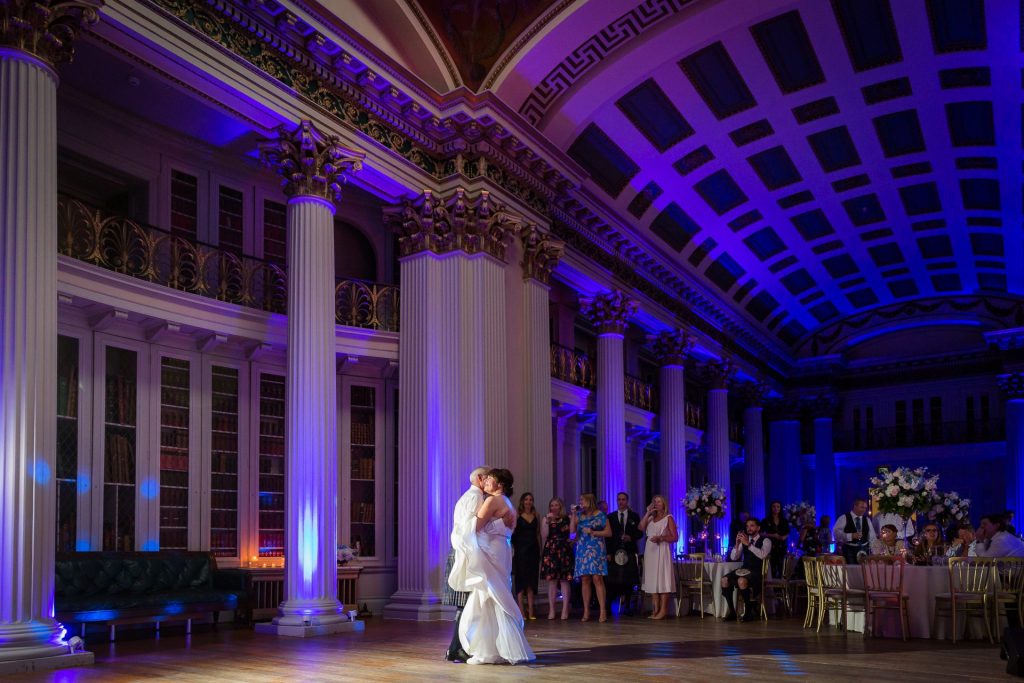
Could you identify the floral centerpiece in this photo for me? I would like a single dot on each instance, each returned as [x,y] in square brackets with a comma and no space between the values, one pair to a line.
[705,502]
[800,514]
[904,491]
[949,508]
[345,554]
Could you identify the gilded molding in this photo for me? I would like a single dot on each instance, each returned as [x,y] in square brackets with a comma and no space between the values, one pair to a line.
[46,28]
[671,346]
[456,223]
[311,164]
[720,373]
[540,253]
[609,311]
[1012,385]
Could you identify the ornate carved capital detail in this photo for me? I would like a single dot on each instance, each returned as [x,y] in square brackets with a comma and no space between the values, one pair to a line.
[1012,385]
[671,347]
[821,405]
[456,223]
[783,409]
[609,312]
[311,164]
[720,373]
[46,28]
[754,393]
[540,253]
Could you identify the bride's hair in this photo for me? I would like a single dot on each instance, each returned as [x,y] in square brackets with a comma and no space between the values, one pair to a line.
[504,479]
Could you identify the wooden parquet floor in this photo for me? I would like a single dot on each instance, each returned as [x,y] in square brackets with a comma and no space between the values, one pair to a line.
[620,651]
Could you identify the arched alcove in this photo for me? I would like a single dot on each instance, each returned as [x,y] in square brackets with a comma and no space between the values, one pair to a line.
[354,254]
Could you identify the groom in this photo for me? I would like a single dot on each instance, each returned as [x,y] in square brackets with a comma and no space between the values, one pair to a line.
[463,528]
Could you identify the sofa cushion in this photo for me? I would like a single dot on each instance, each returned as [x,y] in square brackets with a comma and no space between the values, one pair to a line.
[108,607]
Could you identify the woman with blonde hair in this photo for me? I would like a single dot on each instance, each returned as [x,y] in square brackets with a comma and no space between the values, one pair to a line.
[556,564]
[662,534]
[591,528]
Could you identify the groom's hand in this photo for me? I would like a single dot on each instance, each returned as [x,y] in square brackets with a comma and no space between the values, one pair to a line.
[509,518]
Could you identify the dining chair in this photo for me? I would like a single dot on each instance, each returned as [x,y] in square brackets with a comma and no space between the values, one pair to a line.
[835,590]
[970,587]
[883,590]
[1008,589]
[813,583]
[692,581]
[777,589]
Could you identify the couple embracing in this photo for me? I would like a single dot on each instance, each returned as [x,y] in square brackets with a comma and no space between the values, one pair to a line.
[489,629]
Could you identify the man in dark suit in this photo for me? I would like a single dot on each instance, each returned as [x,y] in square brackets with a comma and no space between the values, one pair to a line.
[623,565]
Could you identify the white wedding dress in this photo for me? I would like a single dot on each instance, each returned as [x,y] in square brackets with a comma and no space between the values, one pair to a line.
[491,629]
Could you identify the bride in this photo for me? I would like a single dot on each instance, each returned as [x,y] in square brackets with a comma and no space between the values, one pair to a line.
[492,625]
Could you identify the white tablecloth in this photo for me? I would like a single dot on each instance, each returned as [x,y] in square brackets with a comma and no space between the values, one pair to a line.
[714,601]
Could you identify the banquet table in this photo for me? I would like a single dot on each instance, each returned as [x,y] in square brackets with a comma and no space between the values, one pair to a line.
[714,602]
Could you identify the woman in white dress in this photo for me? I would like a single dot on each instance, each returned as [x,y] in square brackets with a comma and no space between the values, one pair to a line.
[662,534]
[491,630]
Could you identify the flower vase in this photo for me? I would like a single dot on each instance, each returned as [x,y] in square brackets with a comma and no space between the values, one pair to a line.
[906,540]
[706,535]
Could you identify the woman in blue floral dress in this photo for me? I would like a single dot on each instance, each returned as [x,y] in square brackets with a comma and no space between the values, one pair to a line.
[591,528]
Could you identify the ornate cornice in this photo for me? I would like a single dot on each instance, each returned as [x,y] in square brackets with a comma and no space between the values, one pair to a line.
[1012,385]
[311,164]
[46,28]
[671,346]
[609,312]
[720,373]
[540,253]
[456,223]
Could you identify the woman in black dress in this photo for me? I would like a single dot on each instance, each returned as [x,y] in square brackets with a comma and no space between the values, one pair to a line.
[776,528]
[526,554]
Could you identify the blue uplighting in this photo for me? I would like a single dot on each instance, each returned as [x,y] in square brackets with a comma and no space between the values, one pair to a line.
[151,545]
[150,488]
[42,472]
[83,545]
[84,481]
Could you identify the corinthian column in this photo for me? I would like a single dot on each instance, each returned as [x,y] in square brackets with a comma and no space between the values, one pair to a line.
[719,374]
[826,480]
[540,256]
[1013,388]
[34,40]
[313,168]
[609,313]
[753,448]
[670,348]
[785,480]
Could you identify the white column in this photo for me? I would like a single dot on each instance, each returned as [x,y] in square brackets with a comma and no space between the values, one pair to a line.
[786,466]
[1013,388]
[487,330]
[718,460]
[753,448]
[536,394]
[671,349]
[636,450]
[569,460]
[825,481]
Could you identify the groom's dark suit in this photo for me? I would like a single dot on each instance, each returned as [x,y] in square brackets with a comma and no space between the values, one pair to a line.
[623,577]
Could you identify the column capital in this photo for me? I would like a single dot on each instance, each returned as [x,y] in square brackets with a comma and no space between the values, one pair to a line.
[1012,385]
[46,29]
[609,312]
[783,409]
[671,346]
[541,253]
[457,222]
[720,373]
[821,405]
[310,163]
[754,393]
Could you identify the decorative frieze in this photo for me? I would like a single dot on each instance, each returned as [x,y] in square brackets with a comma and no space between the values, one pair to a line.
[46,29]
[540,253]
[720,373]
[1012,385]
[609,312]
[311,164]
[671,346]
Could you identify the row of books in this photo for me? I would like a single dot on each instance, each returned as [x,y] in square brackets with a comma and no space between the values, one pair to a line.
[173,439]
[272,389]
[225,421]
[224,543]
[172,497]
[174,516]
[362,432]
[362,467]
[271,426]
[271,484]
[224,500]
[174,416]
[174,396]
[120,405]
[223,519]
[119,460]
[173,461]
[363,512]
[67,392]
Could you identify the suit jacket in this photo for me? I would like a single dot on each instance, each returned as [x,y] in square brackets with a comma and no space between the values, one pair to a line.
[632,530]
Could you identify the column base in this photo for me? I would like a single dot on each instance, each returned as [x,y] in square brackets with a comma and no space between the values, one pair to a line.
[310,630]
[51,663]
[410,606]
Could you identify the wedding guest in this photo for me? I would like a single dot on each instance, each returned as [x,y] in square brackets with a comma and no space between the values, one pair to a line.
[753,550]
[1008,523]
[776,528]
[887,543]
[993,540]
[556,564]
[854,531]
[825,539]
[883,518]
[659,574]
[526,554]
[623,566]
[929,545]
[591,528]
[810,545]
[965,544]
[602,505]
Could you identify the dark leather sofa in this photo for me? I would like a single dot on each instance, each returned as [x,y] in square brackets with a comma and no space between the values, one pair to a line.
[138,587]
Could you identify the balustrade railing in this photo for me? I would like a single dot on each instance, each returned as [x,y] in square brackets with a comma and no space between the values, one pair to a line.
[910,436]
[572,366]
[639,394]
[142,251]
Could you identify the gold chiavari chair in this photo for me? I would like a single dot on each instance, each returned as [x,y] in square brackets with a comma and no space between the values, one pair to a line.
[835,590]
[1008,590]
[778,588]
[813,583]
[692,582]
[883,589]
[970,586]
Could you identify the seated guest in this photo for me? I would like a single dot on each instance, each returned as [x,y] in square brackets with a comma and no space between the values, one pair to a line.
[883,518]
[1008,523]
[886,543]
[776,528]
[853,531]
[929,545]
[995,541]
[964,544]
[753,550]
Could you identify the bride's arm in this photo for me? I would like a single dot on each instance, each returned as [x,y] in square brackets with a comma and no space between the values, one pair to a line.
[488,511]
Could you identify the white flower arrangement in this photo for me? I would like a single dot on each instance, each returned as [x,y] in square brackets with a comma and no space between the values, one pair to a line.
[800,514]
[705,502]
[345,554]
[904,491]
[948,508]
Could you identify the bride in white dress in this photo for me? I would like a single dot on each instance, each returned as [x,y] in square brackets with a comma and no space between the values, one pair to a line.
[491,629]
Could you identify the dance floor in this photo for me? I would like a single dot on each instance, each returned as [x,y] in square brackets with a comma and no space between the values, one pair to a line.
[627,649]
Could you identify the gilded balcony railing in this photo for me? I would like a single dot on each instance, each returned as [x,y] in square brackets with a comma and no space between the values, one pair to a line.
[639,394]
[141,251]
[695,416]
[571,366]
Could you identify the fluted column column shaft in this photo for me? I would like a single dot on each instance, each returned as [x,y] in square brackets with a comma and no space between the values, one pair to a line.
[539,459]
[569,454]
[786,465]
[611,416]
[753,446]
[672,466]
[28,356]
[485,333]
[718,459]
[824,468]
[1014,453]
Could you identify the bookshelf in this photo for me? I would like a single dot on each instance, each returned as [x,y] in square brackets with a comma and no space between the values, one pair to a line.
[120,440]
[224,440]
[271,465]
[175,402]
[363,473]
[67,442]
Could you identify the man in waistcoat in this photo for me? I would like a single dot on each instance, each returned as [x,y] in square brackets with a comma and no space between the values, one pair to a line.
[752,549]
[623,569]
[854,531]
